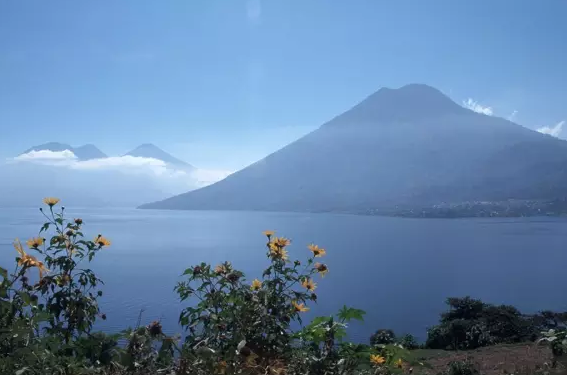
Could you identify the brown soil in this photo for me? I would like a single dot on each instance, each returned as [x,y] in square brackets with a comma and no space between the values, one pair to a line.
[517,359]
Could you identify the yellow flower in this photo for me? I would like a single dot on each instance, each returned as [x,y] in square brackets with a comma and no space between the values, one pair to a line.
[321,268]
[102,241]
[309,285]
[399,363]
[377,359]
[222,367]
[316,250]
[221,269]
[25,259]
[278,253]
[19,248]
[50,201]
[35,242]
[299,307]
[281,241]
[256,284]
[41,268]
[29,260]
[269,233]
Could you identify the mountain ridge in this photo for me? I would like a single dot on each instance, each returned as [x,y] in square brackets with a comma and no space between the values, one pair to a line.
[149,150]
[84,152]
[90,151]
[407,146]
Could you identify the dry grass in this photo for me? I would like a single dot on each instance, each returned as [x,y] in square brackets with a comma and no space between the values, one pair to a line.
[517,359]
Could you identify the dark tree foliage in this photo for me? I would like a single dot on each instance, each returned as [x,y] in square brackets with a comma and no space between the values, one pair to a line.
[382,337]
[470,323]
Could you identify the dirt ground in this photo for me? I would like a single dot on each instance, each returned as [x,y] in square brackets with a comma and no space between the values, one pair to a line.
[517,359]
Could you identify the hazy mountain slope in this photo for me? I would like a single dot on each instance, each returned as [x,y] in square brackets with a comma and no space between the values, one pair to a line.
[86,152]
[50,146]
[149,150]
[412,145]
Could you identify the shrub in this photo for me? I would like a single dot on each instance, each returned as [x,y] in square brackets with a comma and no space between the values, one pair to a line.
[46,318]
[382,336]
[470,324]
[408,341]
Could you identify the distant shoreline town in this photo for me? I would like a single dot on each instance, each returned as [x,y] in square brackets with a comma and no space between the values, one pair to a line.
[508,208]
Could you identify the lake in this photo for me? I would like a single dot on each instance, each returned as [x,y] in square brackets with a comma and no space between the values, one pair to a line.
[398,270]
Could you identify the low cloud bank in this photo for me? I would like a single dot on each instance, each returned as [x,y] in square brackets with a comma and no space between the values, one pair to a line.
[127,179]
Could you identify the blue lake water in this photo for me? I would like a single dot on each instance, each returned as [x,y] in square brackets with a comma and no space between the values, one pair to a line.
[399,270]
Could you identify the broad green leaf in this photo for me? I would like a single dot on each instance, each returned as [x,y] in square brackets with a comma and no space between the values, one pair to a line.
[3,273]
[25,297]
[348,313]
[188,271]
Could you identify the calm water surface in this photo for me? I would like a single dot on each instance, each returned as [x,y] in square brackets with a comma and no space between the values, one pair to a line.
[399,270]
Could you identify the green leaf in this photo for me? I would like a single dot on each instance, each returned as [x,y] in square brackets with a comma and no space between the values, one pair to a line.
[188,271]
[41,317]
[25,297]
[21,371]
[348,313]
[3,273]
[45,227]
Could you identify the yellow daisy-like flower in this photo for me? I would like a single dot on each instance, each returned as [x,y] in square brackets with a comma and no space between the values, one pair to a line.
[309,285]
[256,284]
[316,250]
[102,241]
[19,248]
[399,363]
[41,268]
[268,233]
[221,269]
[299,307]
[278,253]
[34,243]
[321,268]
[50,201]
[377,360]
[25,259]
[281,241]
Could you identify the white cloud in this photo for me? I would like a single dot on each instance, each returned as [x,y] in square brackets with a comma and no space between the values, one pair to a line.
[554,131]
[127,165]
[473,105]
[47,155]
[512,115]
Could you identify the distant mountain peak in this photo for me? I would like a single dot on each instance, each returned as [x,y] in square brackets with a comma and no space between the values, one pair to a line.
[406,147]
[85,152]
[149,150]
[404,104]
[50,146]
[89,151]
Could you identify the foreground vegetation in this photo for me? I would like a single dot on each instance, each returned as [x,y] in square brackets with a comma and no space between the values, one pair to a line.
[232,325]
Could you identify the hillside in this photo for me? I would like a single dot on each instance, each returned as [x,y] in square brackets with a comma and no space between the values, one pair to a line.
[410,146]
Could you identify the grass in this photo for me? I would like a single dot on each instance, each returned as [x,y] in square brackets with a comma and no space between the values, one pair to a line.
[514,359]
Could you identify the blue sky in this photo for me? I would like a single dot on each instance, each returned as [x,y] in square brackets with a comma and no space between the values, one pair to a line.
[223,83]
